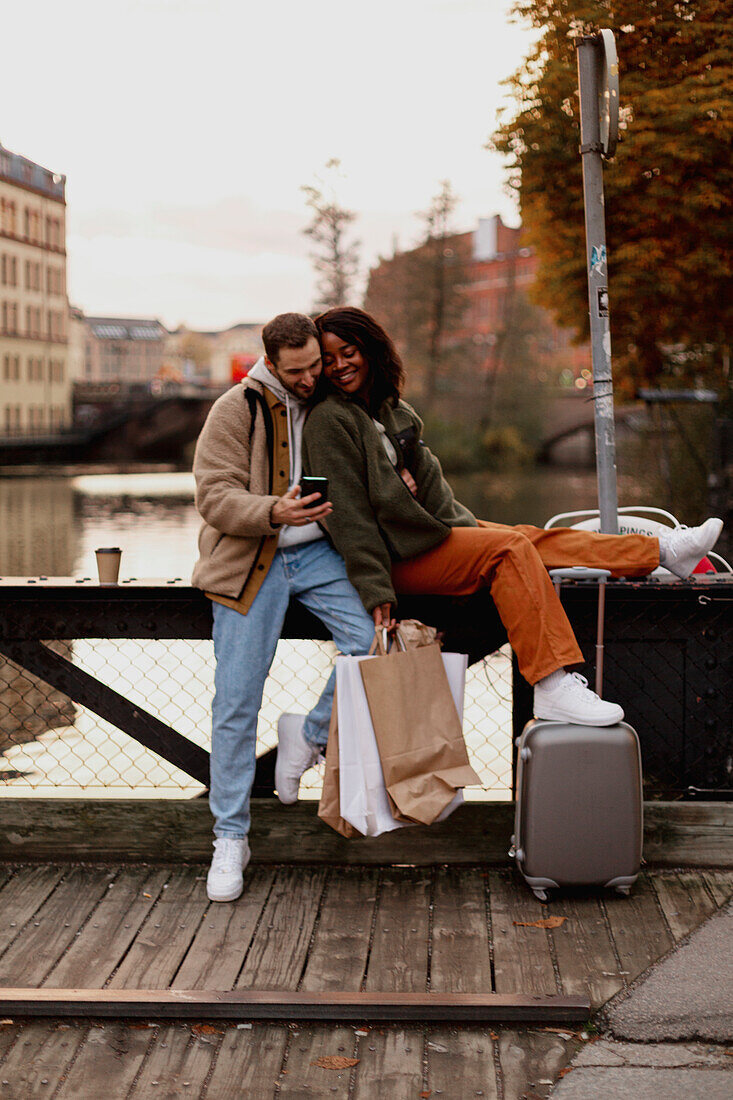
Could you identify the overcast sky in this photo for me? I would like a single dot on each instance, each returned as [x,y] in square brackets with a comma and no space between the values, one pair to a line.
[187,127]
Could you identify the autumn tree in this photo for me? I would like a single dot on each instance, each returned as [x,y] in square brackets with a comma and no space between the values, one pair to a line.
[335,257]
[419,295]
[668,189]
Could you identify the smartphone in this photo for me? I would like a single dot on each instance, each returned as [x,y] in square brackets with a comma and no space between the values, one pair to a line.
[309,485]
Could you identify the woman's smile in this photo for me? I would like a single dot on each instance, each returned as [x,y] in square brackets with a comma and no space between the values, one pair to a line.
[345,366]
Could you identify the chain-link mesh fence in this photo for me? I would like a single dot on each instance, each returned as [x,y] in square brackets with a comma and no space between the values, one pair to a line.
[51,746]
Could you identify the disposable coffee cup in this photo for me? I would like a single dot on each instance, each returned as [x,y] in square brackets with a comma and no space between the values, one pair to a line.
[108,564]
[310,484]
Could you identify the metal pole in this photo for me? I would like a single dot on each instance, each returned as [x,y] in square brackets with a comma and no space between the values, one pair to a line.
[589,56]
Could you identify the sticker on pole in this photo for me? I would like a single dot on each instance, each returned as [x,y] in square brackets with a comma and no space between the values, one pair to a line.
[602,300]
[598,259]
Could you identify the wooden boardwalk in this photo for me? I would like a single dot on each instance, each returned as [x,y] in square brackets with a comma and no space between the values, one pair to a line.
[311,928]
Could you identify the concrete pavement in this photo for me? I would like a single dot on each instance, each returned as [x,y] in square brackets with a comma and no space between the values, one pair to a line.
[687,997]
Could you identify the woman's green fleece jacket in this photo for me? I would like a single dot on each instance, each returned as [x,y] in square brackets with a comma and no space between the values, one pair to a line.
[376,520]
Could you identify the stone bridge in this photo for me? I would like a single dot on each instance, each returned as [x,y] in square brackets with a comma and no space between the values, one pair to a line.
[138,428]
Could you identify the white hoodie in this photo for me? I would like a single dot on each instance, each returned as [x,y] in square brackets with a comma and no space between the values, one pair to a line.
[296,412]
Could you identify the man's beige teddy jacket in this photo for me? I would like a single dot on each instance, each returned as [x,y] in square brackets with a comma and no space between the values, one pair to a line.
[235,491]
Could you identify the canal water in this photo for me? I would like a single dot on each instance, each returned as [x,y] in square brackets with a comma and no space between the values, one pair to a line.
[50,526]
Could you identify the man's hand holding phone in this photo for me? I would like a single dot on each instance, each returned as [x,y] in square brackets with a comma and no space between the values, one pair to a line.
[295,510]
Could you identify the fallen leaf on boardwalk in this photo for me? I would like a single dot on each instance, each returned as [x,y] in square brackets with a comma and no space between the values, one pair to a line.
[493,1035]
[147,895]
[426,1095]
[566,1071]
[335,1061]
[205,1029]
[546,922]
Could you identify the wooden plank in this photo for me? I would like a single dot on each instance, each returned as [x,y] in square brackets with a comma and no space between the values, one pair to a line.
[340,948]
[684,901]
[248,1063]
[291,1005]
[166,830]
[638,928]
[461,1063]
[584,949]
[390,1065]
[220,945]
[53,927]
[38,1061]
[22,896]
[280,945]
[720,884]
[398,962]
[97,949]
[178,1061]
[460,960]
[109,1059]
[677,834]
[166,934]
[522,959]
[688,834]
[301,1078]
[336,961]
[530,1062]
[399,955]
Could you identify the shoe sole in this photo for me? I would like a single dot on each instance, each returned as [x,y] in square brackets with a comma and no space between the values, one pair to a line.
[577,721]
[228,897]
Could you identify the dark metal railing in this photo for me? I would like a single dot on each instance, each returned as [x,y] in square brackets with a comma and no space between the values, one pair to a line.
[669,661]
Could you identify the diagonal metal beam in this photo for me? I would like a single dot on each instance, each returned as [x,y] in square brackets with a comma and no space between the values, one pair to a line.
[110,705]
[258,1004]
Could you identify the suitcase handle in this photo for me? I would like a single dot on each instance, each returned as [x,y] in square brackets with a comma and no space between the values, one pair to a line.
[583,573]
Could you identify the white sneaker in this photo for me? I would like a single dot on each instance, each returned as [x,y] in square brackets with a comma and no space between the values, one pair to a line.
[569,699]
[294,756]
[684,547]
[231,856]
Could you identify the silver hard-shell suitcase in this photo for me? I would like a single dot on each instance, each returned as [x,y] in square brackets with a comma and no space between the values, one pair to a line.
[579,802]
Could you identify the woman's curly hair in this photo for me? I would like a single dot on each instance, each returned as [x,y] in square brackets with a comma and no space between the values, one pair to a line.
[359,328]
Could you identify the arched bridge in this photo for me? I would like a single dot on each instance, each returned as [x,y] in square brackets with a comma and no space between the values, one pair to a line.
[137,428]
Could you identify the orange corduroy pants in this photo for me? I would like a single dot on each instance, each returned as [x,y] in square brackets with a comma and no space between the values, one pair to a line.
[513,562]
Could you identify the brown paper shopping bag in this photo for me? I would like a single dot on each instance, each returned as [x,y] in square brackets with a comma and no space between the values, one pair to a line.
[329,808]
[421,745]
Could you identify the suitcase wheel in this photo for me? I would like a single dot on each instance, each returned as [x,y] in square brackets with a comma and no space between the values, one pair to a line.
[539,893]
[623,890]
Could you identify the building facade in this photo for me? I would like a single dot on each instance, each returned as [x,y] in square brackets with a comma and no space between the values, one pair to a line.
[497,272]
[117,350]
[35,393]
[214,357]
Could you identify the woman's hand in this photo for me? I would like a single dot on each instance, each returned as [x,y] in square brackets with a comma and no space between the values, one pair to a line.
[382,615]
[409,481]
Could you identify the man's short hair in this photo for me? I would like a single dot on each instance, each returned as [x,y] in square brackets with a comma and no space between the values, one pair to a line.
[287,330]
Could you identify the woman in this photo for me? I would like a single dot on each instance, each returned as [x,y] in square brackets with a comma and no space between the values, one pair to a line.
[399,528]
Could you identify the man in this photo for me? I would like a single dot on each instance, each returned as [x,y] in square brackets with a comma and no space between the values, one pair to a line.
[260,545]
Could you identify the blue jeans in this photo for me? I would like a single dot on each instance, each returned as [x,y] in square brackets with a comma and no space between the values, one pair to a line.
[244,645]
